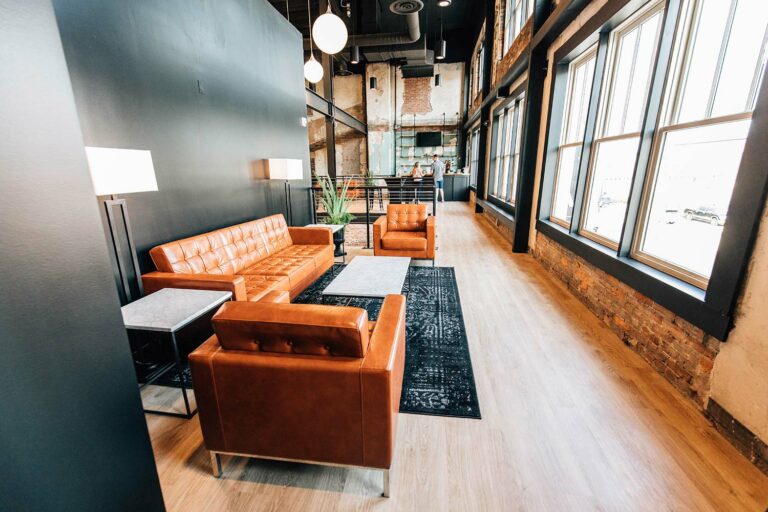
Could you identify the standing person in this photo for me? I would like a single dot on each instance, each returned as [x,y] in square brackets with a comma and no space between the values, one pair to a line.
[417,174]
[438,173]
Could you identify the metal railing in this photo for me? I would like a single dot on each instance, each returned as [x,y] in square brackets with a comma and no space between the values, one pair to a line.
[369,202]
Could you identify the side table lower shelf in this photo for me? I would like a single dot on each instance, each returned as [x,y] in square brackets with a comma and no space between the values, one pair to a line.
[184,385]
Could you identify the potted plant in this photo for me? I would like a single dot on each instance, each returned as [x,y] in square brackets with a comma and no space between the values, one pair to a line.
[335,202]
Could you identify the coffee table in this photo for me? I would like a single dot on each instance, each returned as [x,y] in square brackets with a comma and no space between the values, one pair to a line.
[168,311]
[370,276]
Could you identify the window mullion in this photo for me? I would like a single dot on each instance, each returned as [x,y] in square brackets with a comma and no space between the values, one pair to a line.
[601,60]
[721,58]
[650,125]
[757,75]
[513,143]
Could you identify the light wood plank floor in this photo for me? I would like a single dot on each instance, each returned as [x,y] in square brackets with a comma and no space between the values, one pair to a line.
[572,420]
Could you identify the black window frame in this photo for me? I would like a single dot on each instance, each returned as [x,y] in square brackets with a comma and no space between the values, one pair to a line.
[712,310]
[515,97]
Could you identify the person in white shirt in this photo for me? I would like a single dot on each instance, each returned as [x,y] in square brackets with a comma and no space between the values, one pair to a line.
[438,173]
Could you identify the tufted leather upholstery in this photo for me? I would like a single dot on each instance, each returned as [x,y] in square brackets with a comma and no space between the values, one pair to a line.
[263,247]
[292,329]
[406,217]
[405,231]
[303,401]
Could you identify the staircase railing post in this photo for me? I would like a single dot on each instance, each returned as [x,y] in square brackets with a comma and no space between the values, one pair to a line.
[367,220]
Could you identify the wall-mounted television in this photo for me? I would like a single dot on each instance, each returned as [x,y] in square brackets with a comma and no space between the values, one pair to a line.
[429,139]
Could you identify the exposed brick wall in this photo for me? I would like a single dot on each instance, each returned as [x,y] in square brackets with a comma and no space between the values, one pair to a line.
[503,230]
[521,42]
[416,95]
[678,350]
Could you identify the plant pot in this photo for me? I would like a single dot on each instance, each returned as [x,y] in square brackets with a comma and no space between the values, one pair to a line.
[338,240]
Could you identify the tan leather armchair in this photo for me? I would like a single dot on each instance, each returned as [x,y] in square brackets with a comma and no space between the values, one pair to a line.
[299,382]
[407,231]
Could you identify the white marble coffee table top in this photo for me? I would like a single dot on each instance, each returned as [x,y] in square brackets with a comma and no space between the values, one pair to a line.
[333,227]
[171,309]
[370,276]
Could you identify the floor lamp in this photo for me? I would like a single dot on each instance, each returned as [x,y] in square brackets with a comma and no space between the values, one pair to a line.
[121,171]
[287,170]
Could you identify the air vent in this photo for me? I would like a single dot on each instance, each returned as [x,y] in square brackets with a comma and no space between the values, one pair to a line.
[418,71]
[404,7]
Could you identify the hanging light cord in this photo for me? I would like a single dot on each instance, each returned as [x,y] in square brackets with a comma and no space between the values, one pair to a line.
[287,11]
[309,16]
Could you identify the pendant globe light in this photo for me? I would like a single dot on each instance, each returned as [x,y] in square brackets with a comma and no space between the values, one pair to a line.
[313,70]
[330,32]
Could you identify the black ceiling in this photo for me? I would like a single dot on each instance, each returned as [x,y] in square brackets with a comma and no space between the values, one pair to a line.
[374,17]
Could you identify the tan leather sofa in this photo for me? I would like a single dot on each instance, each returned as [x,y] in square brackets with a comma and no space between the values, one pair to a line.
[407,231]
[300,382]
[250,260]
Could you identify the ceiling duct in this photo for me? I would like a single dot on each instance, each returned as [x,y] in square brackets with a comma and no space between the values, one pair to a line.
[418,71]
[407,8]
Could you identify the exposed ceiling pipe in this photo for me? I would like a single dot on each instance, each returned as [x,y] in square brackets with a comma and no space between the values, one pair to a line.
[412,35]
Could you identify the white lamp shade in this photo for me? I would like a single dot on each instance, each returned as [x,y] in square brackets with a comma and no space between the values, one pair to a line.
[313,70]
[120,171]
[285,169]
[329,33]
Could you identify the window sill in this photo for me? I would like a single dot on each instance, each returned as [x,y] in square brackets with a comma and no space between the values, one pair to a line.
[505,217]
[681,298]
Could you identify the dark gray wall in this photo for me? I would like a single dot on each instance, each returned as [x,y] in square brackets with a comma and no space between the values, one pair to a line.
[207,86]
[72,433]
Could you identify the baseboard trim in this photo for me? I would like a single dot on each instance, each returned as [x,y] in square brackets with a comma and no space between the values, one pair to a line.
[751,446]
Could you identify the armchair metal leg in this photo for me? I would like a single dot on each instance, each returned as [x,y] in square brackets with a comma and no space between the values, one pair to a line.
[216,464]
[386,484]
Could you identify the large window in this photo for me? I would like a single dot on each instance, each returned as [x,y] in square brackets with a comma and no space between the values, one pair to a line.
[717,66]
[473,154]
[516,13]
[580,74]
[678,82]
[627,79]
[505,161]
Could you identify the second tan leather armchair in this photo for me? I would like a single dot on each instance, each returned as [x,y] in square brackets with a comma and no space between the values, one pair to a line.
[406,231]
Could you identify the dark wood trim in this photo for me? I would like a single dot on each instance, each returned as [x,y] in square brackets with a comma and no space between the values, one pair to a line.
[679,297]
[746,441]
[744,213]
[502,213]
[711,310]
[553,24]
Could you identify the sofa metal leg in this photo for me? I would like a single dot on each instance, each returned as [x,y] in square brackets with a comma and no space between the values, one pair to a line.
[386,484]
[216,464]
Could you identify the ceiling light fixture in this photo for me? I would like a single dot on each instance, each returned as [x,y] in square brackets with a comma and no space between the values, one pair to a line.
[443,3]
[354,51]
[313,70]
[330,32]
[441,44]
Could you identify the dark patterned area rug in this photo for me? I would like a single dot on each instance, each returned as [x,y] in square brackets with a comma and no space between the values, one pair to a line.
[438,377]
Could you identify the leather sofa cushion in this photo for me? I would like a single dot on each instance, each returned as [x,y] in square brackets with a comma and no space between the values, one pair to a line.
[224,251]
[407,217]
[257,287]
[405,240]
[306,329]
[319,254]
[296,269]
